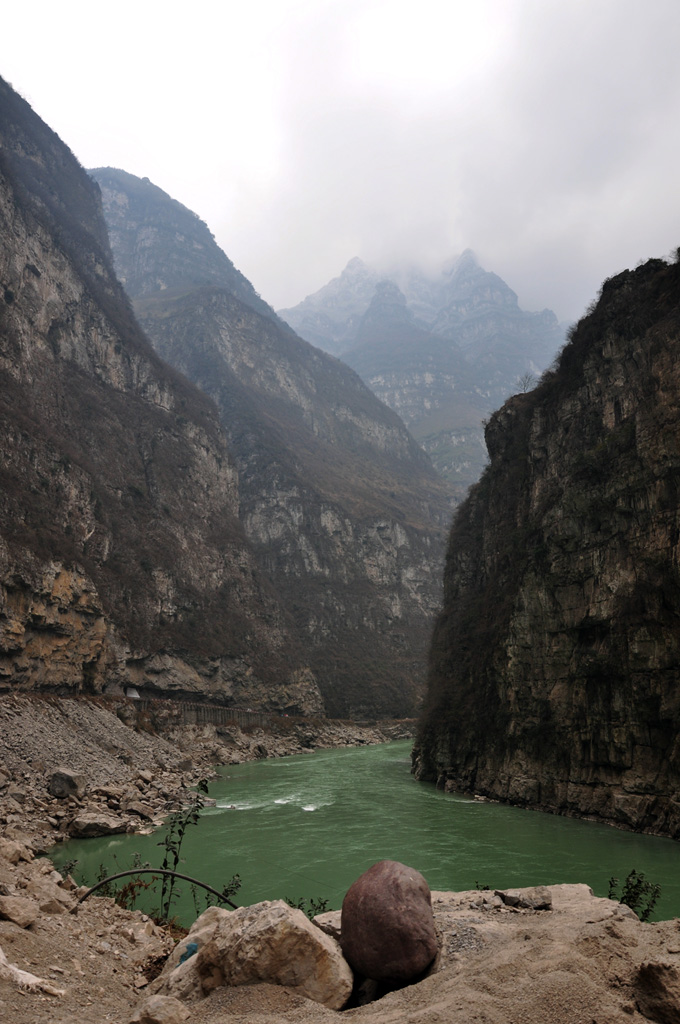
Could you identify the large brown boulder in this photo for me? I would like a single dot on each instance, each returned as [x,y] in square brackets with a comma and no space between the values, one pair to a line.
[387,928]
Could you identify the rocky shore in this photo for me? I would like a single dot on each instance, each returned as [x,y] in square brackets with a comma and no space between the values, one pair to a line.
[553,955]
[135,762]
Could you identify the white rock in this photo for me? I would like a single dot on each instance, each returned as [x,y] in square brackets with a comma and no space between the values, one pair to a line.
[268,942]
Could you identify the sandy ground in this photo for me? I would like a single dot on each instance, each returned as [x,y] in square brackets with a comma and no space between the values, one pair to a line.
[586,960]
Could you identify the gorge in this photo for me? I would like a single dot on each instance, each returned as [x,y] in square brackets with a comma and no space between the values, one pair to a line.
[286,558]
[343,511]
[264,531]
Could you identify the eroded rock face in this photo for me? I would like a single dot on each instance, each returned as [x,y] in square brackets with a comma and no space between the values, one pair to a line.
[387,925]
[122,560]
[554,664]
[344,511]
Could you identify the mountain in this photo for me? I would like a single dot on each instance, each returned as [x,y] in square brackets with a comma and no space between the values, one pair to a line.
[554,665]
[122,557]
[443,350]
[329,317]
[343,510]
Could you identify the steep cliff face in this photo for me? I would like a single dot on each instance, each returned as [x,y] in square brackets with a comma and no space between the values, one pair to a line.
[122,559]
[443,350]
[554,666]
[343,509]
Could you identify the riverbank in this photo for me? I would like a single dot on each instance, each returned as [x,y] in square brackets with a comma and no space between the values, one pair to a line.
[137,762]
[585,959]
[557,955]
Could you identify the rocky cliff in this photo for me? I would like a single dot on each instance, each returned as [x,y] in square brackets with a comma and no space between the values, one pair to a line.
[554,666]
[344,511]
[122,559]
[441,349]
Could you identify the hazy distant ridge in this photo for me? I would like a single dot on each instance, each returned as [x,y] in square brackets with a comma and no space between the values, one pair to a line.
[442,349]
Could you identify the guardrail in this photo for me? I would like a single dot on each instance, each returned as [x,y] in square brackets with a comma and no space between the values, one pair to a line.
[201,713]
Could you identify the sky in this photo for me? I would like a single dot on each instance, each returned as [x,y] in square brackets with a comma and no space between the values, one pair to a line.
[542,134]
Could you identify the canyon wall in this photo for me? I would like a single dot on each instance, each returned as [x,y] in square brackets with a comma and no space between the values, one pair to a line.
[343,510]
[122,558]
[554,665]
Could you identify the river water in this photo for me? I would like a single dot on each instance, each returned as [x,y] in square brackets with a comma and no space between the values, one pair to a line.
[308,826]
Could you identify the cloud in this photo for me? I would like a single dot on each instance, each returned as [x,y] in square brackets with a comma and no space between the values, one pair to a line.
[544,135]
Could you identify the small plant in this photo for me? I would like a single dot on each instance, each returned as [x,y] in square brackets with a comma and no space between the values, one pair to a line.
[174,837]
[637,893]
[210,899]
[526,383]
[126,897]
[311,907]
[127,894]
[109,889]
[481,888]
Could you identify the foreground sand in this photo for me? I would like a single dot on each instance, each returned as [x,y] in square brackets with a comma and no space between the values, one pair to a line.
[585,960]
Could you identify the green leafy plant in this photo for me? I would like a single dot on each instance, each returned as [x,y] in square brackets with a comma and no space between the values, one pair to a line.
[127,894]
[178,824]
[637,893]
[210,899]
[311,907]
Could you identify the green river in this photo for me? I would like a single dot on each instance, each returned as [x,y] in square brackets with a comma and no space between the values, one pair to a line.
[308,826]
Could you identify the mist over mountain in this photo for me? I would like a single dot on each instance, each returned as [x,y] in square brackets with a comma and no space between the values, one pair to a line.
[442,349]
[343,510]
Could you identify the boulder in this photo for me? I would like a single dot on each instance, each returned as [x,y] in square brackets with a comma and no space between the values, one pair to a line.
[160,1010]
[95,823]
[387,926]
[47,892]
[201,932]
[268,942]
[535,897]
[329,922]
[18,909]
[64,783]
[14,851]
[141,809]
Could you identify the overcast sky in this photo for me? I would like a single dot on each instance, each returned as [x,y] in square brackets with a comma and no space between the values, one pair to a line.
[543,134]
